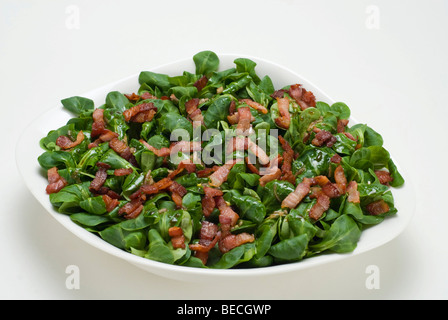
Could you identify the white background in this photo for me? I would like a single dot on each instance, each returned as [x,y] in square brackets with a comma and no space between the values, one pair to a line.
[394,77]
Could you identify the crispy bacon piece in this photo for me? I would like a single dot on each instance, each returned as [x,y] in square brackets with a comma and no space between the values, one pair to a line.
[218,177]
[201,83]
[123,150]
[251,166]
[295,92]
[271,173]
[55,181]
[377,207]
[209,236]
[328,188]
[98,125]
[322,204]
[340,179]
[163,152]
[336,158]
[234,240]
[177,237]
[132,209]
[257,106]
[123,172]
[140,113]
[279,93]
[288,157]
[178,191]
[152,188]
[100,177]
[324,137]
[111,203]
[206,172]
[146,95]
[263,158]
[244,121]
[208,201]
[227,217]
[194,113]
[353,193]
[284,119]
[65,143]
[105,137]
[132,97]
[384,177]
[305,99]
[187,165]
[293,199]
[233,114]
[342,123]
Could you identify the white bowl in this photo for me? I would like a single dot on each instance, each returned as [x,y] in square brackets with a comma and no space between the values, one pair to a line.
[28,150]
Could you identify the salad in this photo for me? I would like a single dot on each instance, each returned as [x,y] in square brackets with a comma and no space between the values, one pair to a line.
[219,169]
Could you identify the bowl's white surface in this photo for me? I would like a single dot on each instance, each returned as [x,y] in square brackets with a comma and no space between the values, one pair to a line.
[28,150]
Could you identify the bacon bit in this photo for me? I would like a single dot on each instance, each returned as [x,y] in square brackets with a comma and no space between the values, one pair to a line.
[185,164]
[270,177]
[65,143]
[377,207]
[206,172]
[305,99]
[336,158]
[340,179]
[218,177]
[105,137]
[153,188]
[201,83]
[209,236]
[107,191]
[301,191]
[322,204]
[132,97]
[263,158]
[194,113]
[384,177]
[177,237]
[123,172]
[178,191]
[244,120]
[279,93]
[284,119]
[132,209]
[353,193]
[55,181]
[163,152]
[208,201]
[227,217]
[98,125]
[350,136]
[232,107]
[111,203]
[257,106]
[342,123]
[140,113]
[146,95]
[324,137]
[288,157]
[123,150]
[234,240]
[100,178]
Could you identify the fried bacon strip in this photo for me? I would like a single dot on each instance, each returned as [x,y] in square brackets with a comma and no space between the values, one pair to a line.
[234,240]
[177,237]
[140,113]
[132,209]
[100,177]
[293,199]
[271,173]
[244,121]
[208,201]
[324,137]
[98,125]
[123,172]
[194,113]
[353,193]
[55,181]
[105,137]
[123,150]
[257,106]
[162,152]
[322,204]
[288,157]
[284,119]
[201,83]
[305,99]
[342,123]
[111,203]
[384,177]
[178,191]
[218,177]
[65,143]
[146,95]
[227,217]
[377,207]
[152,188]
[209,236]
